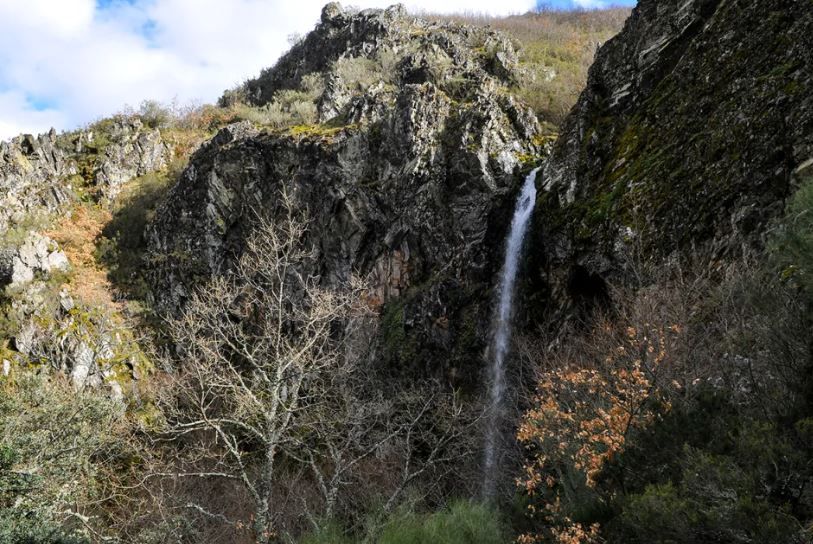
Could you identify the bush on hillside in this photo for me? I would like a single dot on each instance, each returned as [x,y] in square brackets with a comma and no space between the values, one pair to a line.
[556,48]
[702,434]
[53,445]
[793,244]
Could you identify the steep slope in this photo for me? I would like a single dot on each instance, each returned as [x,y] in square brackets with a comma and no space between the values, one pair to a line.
[678,197]
[688,135]
[56,304]
[408,176]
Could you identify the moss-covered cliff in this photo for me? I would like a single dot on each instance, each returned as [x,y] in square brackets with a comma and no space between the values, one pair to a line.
[688,135]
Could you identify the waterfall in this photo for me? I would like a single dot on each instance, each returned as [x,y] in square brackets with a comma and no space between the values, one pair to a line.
[501,340]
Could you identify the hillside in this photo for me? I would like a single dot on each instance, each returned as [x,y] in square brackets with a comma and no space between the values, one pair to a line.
[555,50]
[543,278]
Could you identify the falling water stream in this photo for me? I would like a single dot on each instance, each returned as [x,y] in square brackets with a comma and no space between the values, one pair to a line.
[501,340]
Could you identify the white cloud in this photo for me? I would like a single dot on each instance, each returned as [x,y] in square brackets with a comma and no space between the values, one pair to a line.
[17,117]
[67,62]
[64,18]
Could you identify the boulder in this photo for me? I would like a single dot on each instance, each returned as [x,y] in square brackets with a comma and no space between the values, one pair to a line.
[36,256]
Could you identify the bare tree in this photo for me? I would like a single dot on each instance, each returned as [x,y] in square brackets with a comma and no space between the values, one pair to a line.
[260,346]
[275,402]
[372,440]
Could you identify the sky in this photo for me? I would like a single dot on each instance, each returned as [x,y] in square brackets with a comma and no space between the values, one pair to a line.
[65,63]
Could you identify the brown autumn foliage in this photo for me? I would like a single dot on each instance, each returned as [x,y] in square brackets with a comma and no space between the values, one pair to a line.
[695,348]
[583,413]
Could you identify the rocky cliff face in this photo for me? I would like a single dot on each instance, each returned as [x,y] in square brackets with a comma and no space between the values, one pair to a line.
[41,180]
[33,173]
[419,50]
[37,173]
[694,124]
[409,176]
[132,150]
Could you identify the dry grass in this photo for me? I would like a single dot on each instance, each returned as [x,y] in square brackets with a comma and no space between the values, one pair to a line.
[77,235]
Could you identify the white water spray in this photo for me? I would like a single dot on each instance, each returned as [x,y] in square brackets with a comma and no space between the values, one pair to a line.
[502,332]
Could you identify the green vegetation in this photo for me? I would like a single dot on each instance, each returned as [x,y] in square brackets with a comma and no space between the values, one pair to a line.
[53,443]
[120,246]
[361,73]
[794,244]
[681,170]
[461,523]
[328,533]
[325,131]
[289,107]
[555,49]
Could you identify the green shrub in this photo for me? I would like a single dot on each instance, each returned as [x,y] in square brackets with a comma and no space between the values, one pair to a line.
[231,97]
[715,499]
[462,523]
[51,437]
[288,108]
[658,514]
[360,73]
[329,533]
[155,114]
[555,47]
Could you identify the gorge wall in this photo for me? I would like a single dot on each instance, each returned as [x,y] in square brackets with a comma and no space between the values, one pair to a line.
[694,127]
[696,124]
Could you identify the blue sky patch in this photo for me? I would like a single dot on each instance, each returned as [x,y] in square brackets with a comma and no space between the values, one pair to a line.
[41,103]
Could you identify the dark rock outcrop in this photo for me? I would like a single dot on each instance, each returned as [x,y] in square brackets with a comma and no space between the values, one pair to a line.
[409,180]
[688,134]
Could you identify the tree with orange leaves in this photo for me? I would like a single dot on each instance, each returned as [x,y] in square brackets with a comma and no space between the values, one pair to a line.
[580,421]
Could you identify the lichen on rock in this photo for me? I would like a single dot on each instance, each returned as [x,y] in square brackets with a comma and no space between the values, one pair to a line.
[36,256]
[33,172]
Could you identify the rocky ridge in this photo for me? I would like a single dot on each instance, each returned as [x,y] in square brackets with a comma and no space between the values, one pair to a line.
[38,174]
[134,150]
[33,171]
[408,175]
[418,50]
